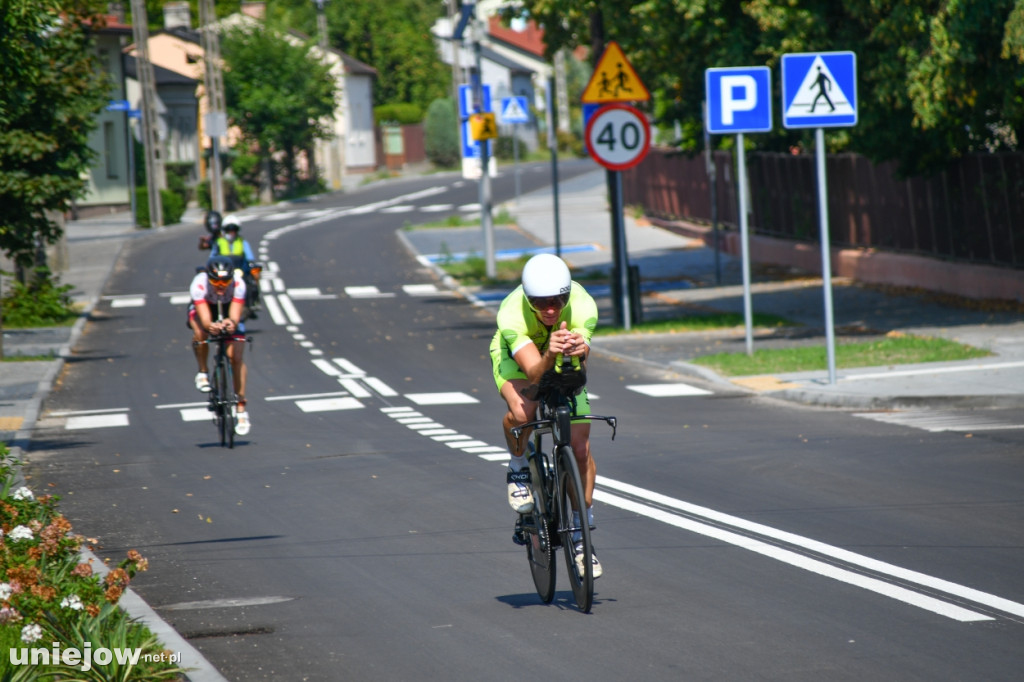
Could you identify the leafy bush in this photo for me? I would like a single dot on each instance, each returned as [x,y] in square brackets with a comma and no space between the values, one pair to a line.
[42,302]
[172,204]
[504,148]
[50,598]
[441,133]
[236,195]
[404,113]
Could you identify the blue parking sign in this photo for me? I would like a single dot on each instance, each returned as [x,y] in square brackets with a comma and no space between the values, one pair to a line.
[739,99]
[819,90]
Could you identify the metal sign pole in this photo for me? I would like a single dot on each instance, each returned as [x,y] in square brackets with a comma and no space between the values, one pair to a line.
[826,253]
[619,230]
[485,176]
[748,315]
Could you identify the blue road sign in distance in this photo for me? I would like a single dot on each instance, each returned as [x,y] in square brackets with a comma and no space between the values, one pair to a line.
[515,110]
[819,90]
[470,147]
[739,99]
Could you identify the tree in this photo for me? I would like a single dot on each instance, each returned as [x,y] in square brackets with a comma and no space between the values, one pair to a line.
[52,91]
[279,94]
[393,37]
[936,79]
[440,133]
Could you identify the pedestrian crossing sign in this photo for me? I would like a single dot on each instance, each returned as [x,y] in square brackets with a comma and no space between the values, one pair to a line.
[614,80]
[514,110]
[819,90]
[482,126]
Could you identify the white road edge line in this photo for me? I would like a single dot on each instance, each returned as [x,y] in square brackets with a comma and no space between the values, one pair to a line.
[847,556]
[799,560]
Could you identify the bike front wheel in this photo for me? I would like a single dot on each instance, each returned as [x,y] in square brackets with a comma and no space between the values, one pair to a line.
[226,389]
[572,506]
[539,546]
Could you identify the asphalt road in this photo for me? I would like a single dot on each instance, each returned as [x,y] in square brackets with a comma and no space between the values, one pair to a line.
[348,539]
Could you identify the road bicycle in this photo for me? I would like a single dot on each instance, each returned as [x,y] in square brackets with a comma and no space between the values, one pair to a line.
[559,516]
[223,401]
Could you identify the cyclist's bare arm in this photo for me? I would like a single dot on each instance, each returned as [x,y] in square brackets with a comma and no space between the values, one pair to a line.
[562,342]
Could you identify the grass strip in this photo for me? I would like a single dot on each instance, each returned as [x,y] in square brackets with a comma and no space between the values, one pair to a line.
[894,349]
[696,323]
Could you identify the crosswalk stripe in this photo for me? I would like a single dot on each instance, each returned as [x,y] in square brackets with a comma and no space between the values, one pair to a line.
[668,390]
[937,421]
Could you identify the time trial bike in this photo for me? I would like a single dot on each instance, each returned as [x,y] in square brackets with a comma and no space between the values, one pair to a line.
[559,516]
[223,401]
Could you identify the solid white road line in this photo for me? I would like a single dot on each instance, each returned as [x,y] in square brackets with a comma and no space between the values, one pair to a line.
[794,559]
[843,555]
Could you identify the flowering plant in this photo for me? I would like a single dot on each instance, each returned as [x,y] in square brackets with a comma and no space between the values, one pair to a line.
[50,595]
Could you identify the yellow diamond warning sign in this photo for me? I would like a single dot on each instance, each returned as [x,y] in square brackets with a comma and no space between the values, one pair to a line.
[483,126]
[614,80]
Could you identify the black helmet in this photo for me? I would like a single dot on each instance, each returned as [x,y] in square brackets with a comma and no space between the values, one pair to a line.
[220,269]
[212,222]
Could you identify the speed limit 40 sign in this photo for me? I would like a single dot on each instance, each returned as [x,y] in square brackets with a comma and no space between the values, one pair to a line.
[618,136]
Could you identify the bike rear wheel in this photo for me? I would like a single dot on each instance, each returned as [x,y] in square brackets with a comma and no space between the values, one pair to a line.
[539,546]
[572,505]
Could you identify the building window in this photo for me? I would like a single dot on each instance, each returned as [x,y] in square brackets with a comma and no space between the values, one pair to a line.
[109,149]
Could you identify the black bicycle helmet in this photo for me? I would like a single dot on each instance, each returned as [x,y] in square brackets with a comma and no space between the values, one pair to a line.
[213,222]
[220,268]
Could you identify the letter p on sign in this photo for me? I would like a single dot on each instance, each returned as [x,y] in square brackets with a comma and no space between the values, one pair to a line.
[739,99]
[739,93]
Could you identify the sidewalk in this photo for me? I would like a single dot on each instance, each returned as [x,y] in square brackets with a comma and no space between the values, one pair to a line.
[679,274]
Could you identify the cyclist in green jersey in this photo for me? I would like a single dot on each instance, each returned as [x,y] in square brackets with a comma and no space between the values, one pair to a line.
[547,316]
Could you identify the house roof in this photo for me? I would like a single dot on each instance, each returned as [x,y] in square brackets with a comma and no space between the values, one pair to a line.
[352,65]
[530,40]
[160,74]
[110,24]
[501,60]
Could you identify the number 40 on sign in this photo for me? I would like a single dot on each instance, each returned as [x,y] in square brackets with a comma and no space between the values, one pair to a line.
[618,136]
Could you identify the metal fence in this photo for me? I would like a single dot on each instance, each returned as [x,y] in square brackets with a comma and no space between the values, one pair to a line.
[971,211]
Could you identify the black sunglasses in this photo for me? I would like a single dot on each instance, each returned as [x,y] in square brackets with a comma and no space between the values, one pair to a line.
[539,303]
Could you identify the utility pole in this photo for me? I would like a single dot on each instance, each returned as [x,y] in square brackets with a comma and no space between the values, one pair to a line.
[335,165]
[216,112]
[485,162]
[156,179]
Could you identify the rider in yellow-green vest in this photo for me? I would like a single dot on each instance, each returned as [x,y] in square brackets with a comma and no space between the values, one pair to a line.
[229,244]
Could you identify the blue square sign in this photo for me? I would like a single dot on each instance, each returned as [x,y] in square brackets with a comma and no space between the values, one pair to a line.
[739,99]
[819,90]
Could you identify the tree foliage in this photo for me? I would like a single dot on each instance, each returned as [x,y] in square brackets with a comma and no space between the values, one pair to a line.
[52,91]
[936,78]
[393,37]
[280,95]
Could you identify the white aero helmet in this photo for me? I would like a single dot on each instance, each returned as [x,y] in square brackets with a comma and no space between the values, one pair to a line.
[546,275]
[231,223]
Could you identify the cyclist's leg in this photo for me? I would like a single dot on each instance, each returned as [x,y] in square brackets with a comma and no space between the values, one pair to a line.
[201,350]
[236,353]
[520,411]
[584,460]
